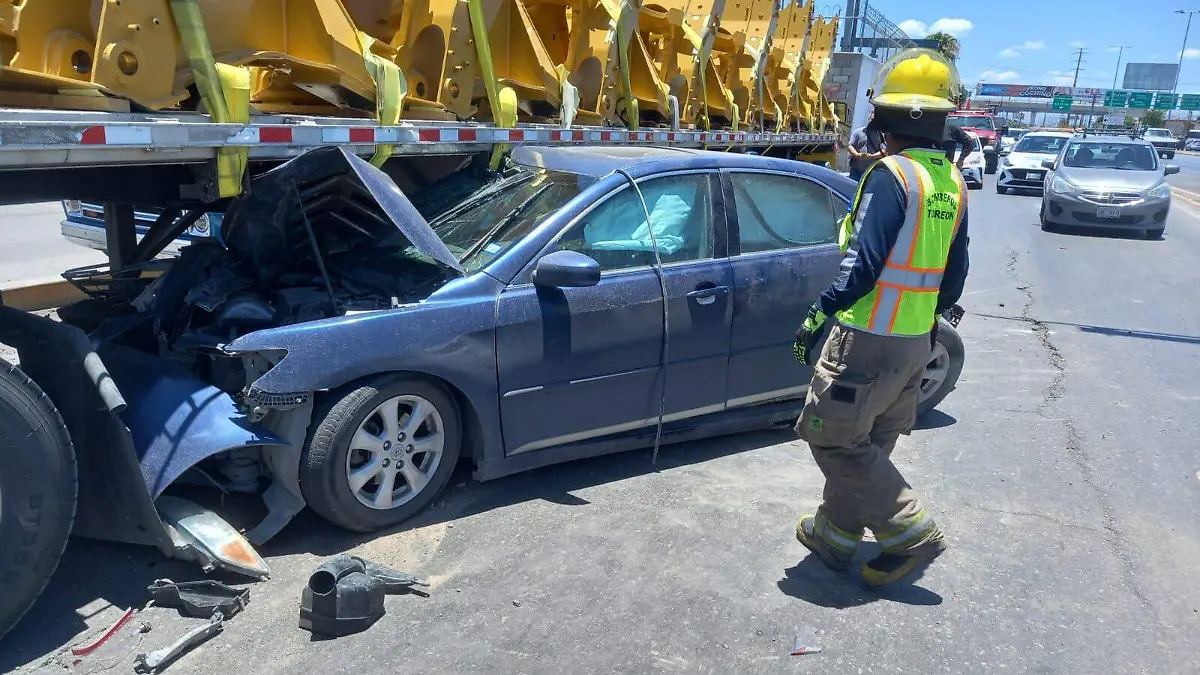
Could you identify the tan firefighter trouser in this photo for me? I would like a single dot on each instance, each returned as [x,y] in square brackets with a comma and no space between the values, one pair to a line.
[863,396]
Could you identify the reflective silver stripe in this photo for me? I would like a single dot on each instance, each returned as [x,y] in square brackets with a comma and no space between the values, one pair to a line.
[914,177]
[835,536]
[888,304]
[906,533]
[910,279]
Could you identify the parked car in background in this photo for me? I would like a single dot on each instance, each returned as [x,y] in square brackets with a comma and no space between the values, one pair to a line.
[973,165]
[1112,183]
[1010,138]
[1162,140]
[1192,145]
[83,225]
[984,125]
[1022,169]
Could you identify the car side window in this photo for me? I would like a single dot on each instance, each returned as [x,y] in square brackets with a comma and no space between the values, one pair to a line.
[616,233]
[779,212]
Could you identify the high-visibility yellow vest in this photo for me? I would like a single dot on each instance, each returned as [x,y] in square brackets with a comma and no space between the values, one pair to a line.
[904,299]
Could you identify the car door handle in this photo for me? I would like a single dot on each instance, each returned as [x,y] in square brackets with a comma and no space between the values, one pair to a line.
[707,296]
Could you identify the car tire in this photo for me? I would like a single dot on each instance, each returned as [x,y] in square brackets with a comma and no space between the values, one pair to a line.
[1001,190]
[38,491]
[1047,226]
[975,186]
[1155,234]
[1171,155]
[944,368]
[330,465]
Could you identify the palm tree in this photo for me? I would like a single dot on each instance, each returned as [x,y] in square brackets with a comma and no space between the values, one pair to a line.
[947,44]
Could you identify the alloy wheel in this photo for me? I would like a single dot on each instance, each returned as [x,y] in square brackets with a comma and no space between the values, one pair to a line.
[395,452]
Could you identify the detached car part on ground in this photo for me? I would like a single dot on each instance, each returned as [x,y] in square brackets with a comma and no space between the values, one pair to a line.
[337,349]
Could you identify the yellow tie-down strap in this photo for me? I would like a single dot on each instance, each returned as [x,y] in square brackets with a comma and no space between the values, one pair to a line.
[224,89]
[390,91]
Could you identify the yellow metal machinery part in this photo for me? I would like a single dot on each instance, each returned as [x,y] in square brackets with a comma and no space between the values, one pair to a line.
[712,63]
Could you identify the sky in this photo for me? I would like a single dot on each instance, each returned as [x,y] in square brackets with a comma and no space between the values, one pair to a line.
[1024,42]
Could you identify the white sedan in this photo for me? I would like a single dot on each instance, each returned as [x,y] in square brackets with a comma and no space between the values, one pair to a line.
[972,169]
[1022,169]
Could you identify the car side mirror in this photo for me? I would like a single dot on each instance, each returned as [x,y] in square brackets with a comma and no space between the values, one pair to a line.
[566,269]
[1170,169]
[1049,164]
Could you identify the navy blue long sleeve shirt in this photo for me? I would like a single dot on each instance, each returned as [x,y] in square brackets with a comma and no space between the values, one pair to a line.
[877,226]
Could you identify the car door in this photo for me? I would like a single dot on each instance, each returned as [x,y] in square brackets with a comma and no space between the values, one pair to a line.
[783,239]
[582,363]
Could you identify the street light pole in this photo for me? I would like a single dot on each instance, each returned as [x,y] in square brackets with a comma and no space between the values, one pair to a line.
[1120,52]
[1185,39]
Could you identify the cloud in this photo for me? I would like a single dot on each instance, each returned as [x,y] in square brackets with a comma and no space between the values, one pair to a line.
[1009,53]
[957,27]
[1060,77]
[1034,45]
[1078,44]
[919,29]
[914,28]
[1189,53]
[994,76]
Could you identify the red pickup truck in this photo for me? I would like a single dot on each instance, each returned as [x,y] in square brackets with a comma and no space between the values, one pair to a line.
[985,125]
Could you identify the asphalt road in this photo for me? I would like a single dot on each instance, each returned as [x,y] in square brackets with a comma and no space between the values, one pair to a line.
[1064,470]
[33,247]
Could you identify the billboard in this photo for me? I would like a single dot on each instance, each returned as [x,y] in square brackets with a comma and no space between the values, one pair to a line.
[1150,76]
[1038,91]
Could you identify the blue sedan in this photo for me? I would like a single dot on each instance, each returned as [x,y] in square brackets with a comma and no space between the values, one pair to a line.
[593,300]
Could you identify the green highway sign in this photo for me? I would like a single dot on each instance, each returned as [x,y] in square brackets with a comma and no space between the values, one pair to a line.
[1190,102]
[1061,103]
[1140,99]
[1116,98]
[1166,101]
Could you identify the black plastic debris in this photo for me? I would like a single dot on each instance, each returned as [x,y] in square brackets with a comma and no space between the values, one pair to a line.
[199,599]
[345,595]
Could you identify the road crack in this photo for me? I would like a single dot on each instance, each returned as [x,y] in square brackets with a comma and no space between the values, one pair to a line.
[1054,392]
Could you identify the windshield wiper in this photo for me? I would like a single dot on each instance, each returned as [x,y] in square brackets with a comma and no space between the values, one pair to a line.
[504,222]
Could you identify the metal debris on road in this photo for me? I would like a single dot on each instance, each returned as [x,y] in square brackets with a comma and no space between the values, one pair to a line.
[199,599]
[156,661]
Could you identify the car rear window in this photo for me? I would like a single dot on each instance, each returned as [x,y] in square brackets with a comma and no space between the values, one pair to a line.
[1041,144]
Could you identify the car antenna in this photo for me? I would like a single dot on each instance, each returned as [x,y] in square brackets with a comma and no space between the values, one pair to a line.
[312,240]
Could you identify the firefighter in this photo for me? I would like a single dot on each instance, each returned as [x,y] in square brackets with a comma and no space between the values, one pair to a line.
[905,245]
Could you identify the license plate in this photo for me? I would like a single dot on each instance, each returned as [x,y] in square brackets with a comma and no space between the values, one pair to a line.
[1033,175]
[1108,212]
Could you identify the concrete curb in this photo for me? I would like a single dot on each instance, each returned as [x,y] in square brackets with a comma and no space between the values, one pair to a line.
[31,295]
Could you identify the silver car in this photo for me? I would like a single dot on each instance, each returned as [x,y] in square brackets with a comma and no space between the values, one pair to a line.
[1106,182]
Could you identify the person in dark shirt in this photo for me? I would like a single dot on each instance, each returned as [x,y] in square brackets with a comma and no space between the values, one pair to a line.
[955,137]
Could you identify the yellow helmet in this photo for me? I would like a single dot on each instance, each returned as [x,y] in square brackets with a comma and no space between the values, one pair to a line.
[917,80]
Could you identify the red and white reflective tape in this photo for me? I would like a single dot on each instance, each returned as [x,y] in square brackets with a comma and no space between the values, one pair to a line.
[170,135]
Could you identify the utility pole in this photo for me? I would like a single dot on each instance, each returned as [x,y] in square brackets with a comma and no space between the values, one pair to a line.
[1183,51]
[1074,83]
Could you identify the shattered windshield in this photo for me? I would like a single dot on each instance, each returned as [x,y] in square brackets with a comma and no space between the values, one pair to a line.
[498,216]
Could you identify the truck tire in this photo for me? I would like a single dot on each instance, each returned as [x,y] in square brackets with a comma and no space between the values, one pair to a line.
[945,366]
[38,489]
[422,455]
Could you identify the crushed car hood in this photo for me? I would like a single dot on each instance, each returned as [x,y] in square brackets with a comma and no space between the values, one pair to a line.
[343,199]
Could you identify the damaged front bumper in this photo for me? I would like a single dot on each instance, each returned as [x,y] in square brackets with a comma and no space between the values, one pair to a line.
[137,427]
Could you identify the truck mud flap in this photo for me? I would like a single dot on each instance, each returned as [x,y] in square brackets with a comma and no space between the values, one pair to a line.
[136,425]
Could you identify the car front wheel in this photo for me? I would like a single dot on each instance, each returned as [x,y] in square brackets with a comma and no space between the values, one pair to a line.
[380,451]
[944,367]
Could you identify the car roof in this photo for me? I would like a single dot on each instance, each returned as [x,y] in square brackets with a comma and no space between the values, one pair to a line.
[1124,140]
[599,161]
[1051,134]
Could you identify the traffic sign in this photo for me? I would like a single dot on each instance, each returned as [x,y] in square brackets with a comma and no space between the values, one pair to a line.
[1062,103]
[1189,102]
[1116,98]
[1140,99]
[1166,101]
